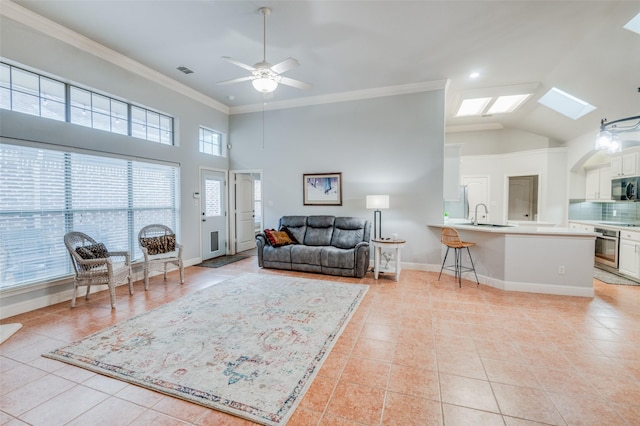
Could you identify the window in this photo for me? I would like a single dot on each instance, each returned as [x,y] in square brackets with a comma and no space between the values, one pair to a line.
[152,126]
[210,142]
[97,111]
[46,193]
[30,93]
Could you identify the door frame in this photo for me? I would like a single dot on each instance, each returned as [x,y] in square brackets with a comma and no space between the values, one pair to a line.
[231,198]
[202,169]
[539,194]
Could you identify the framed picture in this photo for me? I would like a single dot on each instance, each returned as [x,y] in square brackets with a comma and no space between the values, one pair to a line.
[322,189]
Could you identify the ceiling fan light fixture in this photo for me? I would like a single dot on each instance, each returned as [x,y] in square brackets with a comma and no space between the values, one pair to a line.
[264,84]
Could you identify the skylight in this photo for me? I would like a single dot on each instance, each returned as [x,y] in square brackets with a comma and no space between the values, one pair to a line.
[566,104]
[472,107]
[507,104]
[634,24]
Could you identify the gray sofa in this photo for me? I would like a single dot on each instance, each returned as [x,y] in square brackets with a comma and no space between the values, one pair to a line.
[326,244]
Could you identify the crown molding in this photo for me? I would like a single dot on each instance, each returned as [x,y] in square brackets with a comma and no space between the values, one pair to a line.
[377,92]
[26,17]
[473,127]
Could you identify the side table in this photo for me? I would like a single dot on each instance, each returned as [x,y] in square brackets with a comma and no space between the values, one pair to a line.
[378,245]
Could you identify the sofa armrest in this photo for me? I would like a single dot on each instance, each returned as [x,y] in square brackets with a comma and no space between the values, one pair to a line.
[261,242]
[362,252]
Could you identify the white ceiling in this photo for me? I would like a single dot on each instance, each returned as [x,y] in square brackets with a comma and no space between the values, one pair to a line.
[343,46]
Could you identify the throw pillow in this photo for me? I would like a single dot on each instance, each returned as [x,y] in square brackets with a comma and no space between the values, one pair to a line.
[281,238]
[277,238]
[270,239]
[159,245]
[290,234]
[94,251]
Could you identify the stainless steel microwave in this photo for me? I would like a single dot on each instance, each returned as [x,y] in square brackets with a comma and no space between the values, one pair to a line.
[625,189]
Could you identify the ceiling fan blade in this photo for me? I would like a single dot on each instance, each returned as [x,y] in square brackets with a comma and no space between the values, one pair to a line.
[285,65]
[295,83]
[238,63]
[236,80]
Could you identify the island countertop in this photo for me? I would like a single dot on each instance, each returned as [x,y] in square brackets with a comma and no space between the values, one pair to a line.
[516,229]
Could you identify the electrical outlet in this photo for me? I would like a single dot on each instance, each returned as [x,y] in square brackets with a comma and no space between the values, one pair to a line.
[561,269]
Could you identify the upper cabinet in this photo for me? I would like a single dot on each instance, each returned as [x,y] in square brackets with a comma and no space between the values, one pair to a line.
[623,165]
[598,184]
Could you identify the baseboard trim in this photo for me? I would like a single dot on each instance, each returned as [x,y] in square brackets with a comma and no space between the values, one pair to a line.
[67,294]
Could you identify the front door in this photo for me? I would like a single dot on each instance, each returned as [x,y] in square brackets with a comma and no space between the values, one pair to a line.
[245,212]
[213,187]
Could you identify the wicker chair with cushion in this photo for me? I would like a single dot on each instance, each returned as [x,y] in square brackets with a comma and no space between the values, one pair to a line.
[95,265]
[159,247]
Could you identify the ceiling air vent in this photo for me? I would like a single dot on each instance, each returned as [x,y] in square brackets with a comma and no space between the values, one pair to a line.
[185,70]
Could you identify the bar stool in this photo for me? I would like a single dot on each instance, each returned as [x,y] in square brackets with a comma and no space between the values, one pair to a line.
[451,239]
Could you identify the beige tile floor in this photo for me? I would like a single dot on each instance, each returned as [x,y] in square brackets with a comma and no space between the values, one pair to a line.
[417,352]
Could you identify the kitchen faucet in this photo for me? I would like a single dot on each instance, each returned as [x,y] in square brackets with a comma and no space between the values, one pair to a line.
[475,215]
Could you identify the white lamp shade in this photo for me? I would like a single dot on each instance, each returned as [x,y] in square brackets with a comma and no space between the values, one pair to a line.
[377,202]
[264,85]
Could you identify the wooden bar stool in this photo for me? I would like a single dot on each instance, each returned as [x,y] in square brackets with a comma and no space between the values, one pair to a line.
[451,239]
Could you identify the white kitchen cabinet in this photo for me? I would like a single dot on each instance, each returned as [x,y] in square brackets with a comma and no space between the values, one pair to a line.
[625,165]
[629,253]
[581,226]
[598,184]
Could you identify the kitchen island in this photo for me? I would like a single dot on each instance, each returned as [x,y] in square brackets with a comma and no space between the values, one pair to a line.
[550,260]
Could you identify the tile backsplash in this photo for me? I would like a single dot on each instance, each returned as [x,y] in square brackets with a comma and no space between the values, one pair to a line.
[609,212]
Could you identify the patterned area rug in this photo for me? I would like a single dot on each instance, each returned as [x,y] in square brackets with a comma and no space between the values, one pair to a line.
[609,278]
[221,261]
[249,346]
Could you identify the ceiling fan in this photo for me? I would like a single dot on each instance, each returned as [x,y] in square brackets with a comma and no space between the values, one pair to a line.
[264,76]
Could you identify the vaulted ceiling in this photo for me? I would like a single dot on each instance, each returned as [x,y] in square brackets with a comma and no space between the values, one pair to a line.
[579,47]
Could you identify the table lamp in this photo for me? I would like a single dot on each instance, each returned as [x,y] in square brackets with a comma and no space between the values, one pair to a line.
[377,202]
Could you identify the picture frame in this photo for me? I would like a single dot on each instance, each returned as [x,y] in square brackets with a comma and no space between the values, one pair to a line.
[322,189]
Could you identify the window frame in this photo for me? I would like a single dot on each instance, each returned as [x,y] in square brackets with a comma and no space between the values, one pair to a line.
[203,143]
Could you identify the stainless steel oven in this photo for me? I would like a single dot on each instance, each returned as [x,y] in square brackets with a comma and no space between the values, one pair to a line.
[607,247]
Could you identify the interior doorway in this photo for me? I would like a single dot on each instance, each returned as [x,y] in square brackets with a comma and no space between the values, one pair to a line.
[246,208]
[523,198]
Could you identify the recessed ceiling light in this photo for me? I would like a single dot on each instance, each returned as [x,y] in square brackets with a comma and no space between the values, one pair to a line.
[472,107]
[507,104]
[565,103]
[634,24]
[474,75]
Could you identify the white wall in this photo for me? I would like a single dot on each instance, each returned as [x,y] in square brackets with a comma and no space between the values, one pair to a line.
[391,145]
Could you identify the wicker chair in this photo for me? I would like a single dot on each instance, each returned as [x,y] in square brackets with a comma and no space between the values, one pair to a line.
[113,268]
[159,247]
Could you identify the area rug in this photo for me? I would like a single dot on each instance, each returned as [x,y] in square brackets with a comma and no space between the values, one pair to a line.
[609,278]
[249,346]
[217,262]
[8,330]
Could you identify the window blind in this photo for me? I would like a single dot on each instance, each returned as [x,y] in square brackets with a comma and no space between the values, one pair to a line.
[47,193]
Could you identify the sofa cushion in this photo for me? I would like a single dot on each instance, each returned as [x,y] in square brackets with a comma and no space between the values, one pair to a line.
[333,257]
[277,254]
[306,255]
[348,232]
[297,226]
[319,230]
